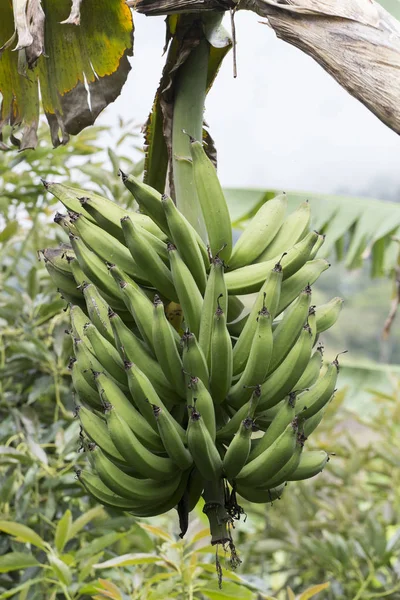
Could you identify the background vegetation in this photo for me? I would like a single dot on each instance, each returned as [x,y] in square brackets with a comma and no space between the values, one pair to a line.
[337,536]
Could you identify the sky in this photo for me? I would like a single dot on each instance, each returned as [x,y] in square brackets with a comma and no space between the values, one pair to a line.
[282,123]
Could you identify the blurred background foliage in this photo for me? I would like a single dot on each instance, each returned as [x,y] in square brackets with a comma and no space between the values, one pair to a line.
[337,536]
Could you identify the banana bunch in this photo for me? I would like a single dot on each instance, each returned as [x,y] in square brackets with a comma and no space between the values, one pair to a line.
[197,368]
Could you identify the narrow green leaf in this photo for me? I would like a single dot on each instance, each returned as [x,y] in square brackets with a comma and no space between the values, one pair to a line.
[22,533]
[61,570]
[61,535]
[128,559]
[9,231]
[313,591]
[83,520]
[13,561]
[229,590]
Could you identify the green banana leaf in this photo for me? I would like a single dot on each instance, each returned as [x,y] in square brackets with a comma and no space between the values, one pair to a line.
[79,62]
[356,228]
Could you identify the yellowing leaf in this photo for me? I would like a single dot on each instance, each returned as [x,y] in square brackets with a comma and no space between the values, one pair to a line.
[290,594]
[313,591]
[110,590]
[128,559]
[22,533]
[94,53]
[157,531]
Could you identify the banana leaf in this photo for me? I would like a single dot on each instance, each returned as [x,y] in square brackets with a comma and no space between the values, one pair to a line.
[77,55]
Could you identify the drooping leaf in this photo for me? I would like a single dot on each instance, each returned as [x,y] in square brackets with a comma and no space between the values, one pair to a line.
[128,559]
[92,54]
[22,533]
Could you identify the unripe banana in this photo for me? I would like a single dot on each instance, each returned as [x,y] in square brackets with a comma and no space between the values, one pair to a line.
[314,399]
[259,232]
[108,216]
[133,350]
[248,410]
[97,309]
[307,275]
[106,353]
[199,397]
[186,289]
[96,488]
[112,395]
[212,202]
[285,415]
[252,494]
[284,379]
[289,328]
[86,360]
[215,288]
[312,323]
[96,429]
[249,279]
[221,358]
[85,391]
[289,468]
[268,295]
[312,423]
[257,365]
[184,238]
[238,450]
[327,314]
[193,360]
[149,200]
[235,308]
[78,320]
[68,196]
[173,443]
[311,463]
[312,370]
[133,488]
[202,448]
[320,241]
[292,230]
[151,265]
[135,453]
[165,349]
[145,397]
[63,280]
[97,272]
[79,276]
[266,465]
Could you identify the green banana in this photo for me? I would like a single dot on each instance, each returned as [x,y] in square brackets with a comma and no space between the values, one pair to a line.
[135,453]
[269,295]
[312,423]
[194,363]
[184,238]
[312,323]
[172,441]
[235,308]
[97,272]
[320,241]
[292,230]
[199,397]
[311,463]
[151,265]
[307,275]
[312,370]
[285,377]
[252,494]
[63,280]
[248,410]
[249,279]
[215,288]
[127,486]
[202,448]
[96,488]
[314,399]
[266,465]
[165,348]
[107,247]
[68,196]
[257,365]
[289,328]
[148,199]
[238,450]
[112,395]
[188,293]
[133,350]
[85,391]
[221,357]
[86,360]
[78,320]
[212,202]
[145,397]
[289,468]
[97,309]
[327,314]
[259,232]
[108,216]
[285,415]
[106,353]
[96,430]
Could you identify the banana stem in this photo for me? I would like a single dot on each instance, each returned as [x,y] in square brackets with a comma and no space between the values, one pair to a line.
[188,116]
[214,508]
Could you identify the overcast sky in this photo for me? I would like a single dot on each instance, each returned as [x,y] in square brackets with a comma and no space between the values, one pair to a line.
[283,123]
